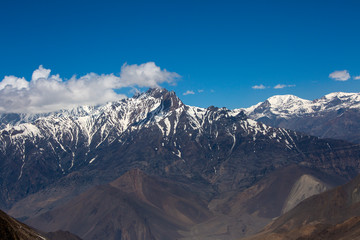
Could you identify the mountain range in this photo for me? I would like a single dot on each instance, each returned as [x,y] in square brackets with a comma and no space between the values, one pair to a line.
[128,168]
[333,116]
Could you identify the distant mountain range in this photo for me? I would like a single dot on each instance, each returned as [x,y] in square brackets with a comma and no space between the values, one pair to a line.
[214,171]
[336,115]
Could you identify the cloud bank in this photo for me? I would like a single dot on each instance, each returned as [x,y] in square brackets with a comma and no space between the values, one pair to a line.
[46,93]
[340,75]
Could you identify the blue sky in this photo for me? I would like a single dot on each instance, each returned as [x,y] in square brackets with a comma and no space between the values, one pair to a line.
[221,49]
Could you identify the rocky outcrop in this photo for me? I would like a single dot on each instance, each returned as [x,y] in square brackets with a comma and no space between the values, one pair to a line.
[11,229]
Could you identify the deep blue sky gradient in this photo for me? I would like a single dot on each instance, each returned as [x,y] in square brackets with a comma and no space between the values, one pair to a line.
[222,47]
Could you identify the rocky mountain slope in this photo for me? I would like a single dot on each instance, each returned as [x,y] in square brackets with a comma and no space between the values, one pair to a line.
[61,235]
[134,206]
[139,206]
[333,116]
[331,215]
[242,213]
[11,229]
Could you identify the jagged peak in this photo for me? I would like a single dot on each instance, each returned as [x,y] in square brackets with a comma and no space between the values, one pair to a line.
[155,92]
[168,98]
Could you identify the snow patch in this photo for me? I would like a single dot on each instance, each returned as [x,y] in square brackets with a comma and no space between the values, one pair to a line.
[92,160]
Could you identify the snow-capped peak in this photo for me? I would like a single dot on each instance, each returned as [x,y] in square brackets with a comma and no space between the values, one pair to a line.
[281,100]
[279,105]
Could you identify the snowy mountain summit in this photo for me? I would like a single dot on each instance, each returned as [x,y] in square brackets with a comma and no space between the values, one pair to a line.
[282,105]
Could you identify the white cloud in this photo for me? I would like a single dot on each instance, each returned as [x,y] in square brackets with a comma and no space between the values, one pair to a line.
[189,92]
[340,75]
[280,86]
[45,92]
[145,75]
[357,77]
[261,86]
[200,91]
[14,82]
[40,73]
